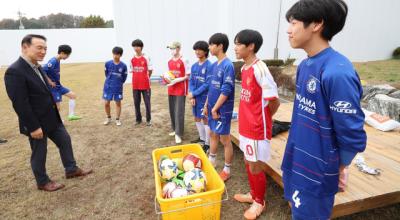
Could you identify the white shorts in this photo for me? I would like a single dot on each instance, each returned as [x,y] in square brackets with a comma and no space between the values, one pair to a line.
[255,150]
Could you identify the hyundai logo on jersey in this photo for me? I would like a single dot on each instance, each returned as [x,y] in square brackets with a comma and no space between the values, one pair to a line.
[342,104]
[342,107]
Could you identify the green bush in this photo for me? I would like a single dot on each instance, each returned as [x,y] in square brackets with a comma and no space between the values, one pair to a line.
[274,62]
[289,61]
[396,53]
[270,63]
[238,66]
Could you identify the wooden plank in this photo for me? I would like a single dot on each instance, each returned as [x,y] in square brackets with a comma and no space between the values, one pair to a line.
[365,204]
[364,191]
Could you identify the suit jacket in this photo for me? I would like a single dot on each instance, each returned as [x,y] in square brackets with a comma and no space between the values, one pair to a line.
[31,98]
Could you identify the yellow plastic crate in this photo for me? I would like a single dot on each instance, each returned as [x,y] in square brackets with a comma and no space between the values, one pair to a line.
[199,206]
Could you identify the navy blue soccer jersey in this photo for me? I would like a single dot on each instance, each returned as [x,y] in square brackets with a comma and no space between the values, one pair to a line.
[222,81]
[115,77]
[52,70]
[327,124]
[198,80]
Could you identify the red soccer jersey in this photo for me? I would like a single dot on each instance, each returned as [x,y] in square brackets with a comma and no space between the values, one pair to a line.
[140,77]
[258,87]
[178,68]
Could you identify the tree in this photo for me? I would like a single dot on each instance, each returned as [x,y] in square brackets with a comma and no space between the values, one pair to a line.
[9,24]
[110,24]
[93,21]
[77,21]
[33,23]
[55,21]
[44,21]
[60,20]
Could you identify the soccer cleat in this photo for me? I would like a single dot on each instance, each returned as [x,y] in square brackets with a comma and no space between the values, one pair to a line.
[73,117]
[245,198]
[178,139]
[118,122]
[138,122]
[148,123]
[198,140]
[107,121]
[172,133]
[206,148]
[224,175]
[254,211]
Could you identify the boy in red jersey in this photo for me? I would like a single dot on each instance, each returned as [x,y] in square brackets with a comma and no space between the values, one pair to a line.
[258,102]
[141,72]
[177,90]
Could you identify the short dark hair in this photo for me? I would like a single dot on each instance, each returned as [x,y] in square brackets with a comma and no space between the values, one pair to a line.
[248,37]
[201,45]
[332,13]
[117,50]
[220,38]
[64,49]
[28,38]
[137,43]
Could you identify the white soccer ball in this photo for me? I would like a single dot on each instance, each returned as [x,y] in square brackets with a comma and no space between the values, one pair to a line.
[195,181]
[179,192]
[168,169]
[191,161]
[167,189]
[168,76]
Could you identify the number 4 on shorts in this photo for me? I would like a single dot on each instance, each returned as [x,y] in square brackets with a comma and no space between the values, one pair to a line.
[296,199]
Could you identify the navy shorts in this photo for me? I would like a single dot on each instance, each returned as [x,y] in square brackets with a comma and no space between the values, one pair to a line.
[222,125]
[108,96]
[304,205]
[197,110]
[58,92]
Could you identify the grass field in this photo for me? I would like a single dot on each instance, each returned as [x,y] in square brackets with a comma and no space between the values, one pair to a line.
[122,186]
[385,71]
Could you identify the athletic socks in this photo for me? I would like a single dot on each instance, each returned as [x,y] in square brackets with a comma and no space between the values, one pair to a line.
[259,182]
[71,107]
[250,179]
[212,158]
[207,135]
[227,168]
[200,129]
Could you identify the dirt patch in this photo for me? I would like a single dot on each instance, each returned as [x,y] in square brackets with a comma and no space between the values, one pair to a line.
[122,186]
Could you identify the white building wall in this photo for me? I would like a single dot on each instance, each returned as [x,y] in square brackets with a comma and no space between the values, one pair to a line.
[88,45]
[371,31]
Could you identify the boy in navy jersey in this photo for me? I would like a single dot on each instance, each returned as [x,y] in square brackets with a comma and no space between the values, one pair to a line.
[327,122]
[198,89]
[52,70]
[220,100]
[116,73]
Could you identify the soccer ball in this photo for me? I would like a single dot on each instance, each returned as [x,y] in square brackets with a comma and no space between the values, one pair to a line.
[195,181]
[168,76]
[190,162]
[167,189]
[178,162]
[179,192]
[168,169]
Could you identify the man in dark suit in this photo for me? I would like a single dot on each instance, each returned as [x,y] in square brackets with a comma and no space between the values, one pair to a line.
[37,113]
